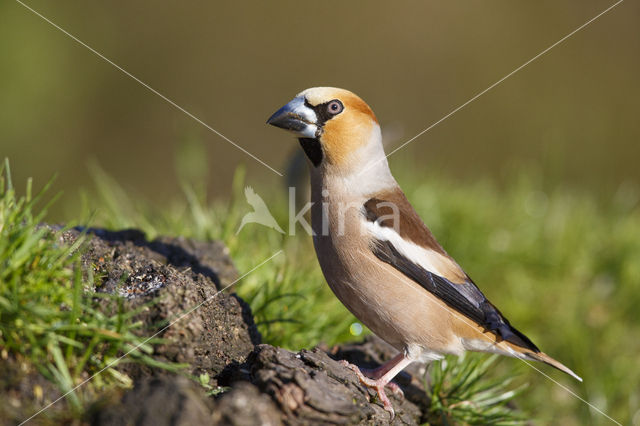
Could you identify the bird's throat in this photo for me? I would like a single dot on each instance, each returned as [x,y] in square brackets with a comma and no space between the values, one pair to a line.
[312,149]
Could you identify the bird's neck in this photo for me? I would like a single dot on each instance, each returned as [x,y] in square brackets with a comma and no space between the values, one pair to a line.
[357,186]
[367,173]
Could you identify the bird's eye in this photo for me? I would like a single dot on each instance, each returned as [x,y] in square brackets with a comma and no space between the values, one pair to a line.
[335,107]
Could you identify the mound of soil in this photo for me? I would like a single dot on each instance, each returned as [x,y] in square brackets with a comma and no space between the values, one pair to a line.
[208,329]
[213,331]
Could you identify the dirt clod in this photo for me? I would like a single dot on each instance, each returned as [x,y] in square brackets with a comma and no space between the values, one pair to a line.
[176,283]
[312,388]
[208,329]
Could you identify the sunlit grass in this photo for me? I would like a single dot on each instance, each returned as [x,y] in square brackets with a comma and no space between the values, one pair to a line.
[49,323]
[463,391]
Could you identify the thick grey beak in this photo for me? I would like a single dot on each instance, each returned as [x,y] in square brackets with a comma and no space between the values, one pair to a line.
[296,117]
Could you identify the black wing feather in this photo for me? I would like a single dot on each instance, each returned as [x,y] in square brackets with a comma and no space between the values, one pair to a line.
[465,298]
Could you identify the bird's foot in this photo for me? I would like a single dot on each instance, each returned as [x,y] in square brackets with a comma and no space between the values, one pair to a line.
[378,384]
[375,374]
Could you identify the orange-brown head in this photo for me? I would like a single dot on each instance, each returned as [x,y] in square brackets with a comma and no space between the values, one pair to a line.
[334,125]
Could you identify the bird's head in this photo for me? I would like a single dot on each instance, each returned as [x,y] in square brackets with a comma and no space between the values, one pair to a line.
[335,127]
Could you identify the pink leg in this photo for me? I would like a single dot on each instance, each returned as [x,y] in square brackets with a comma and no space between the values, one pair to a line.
[381,377]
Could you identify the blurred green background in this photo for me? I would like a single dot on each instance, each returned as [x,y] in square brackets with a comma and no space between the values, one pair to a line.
[573,111]
[533,187]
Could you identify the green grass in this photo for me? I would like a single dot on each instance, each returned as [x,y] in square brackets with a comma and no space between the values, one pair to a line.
[48,322]
[561,263]
[462,391]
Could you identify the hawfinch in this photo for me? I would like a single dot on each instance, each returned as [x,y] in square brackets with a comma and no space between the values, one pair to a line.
[377,255]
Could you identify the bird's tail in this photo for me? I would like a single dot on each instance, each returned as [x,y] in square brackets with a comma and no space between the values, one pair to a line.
[542,357]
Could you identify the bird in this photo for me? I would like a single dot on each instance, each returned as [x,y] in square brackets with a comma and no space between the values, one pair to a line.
[378,256]
[260,213]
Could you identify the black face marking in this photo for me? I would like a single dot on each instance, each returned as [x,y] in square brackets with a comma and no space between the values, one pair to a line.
[313,149]
[326,111]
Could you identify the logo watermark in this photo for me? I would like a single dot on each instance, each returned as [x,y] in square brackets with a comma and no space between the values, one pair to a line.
[334,215]
[260,214]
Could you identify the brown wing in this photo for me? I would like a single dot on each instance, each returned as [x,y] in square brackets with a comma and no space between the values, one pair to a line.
[451,284]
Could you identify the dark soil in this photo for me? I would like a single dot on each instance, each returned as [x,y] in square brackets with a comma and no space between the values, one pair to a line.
[208,329]
[214,333]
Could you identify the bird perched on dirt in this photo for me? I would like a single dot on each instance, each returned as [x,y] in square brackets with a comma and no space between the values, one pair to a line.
[375,252]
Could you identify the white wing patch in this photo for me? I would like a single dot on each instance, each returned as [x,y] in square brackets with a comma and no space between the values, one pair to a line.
[430,260]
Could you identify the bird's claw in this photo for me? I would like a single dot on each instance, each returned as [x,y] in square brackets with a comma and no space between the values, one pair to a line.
[396,390]
[378,385]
